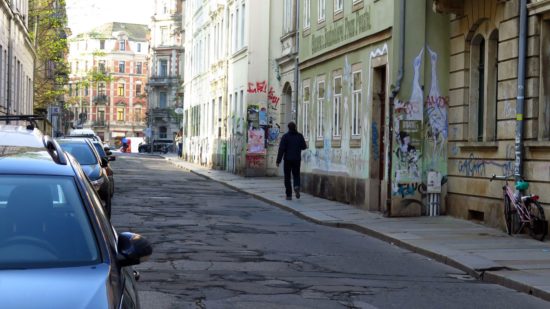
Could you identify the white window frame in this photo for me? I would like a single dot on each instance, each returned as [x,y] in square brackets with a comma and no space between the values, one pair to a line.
[307,14]
[321,11]
[320,102]
[356,100]
[338,6]
[287,16]
[122,45]
[337,109]
[305,109]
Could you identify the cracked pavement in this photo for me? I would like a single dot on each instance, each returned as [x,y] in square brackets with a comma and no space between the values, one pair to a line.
[217,248]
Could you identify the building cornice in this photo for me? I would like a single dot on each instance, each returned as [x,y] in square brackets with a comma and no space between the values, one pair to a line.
[350,47]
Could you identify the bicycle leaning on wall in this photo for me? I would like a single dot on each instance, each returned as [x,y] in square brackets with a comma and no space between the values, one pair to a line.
[522,211]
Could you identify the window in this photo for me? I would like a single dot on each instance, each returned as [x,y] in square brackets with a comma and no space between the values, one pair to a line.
[237,21]
[138,47]
[162,132]
[101,66]
[101,89]
[120,113]
[138,68]
[138,89]
[121,67]
[122,45]
[70,90]
[320,103]
[320,11]
[163,68]
[101,44]
[305,110]
[307,14]
[137,114]
[162,99]
[242,25]
[120,89]
[356,98]
[101,117]
[287,17]
[86,90]
[483,85]
[337,107]
[163,35]
[338,6]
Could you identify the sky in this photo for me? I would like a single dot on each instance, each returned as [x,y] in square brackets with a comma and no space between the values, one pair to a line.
[84,15]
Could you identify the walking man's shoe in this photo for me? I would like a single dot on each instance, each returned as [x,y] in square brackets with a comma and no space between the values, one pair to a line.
[289,198]
[297,191]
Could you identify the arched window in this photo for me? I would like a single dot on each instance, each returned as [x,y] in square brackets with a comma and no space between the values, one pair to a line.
[483,87]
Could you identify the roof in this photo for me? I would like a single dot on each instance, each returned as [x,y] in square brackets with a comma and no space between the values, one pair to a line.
[135,32]
[31,161]
[13,135]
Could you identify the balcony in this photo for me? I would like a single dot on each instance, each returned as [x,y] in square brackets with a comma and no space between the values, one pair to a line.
[99,123]
[101,99]
[166,80]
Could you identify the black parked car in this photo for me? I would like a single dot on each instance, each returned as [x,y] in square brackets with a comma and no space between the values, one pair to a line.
[57,246]
[93,165]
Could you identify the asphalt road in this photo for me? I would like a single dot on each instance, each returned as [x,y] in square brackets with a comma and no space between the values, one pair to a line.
[218,248]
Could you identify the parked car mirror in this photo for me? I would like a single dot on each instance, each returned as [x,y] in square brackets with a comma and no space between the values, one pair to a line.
[104,162]
[133,249]
[106,148]
[108,152]
[111,158]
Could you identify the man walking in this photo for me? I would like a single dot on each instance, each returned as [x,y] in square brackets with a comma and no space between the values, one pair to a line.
[290,148]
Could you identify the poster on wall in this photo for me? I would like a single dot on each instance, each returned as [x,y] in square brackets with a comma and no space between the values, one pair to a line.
[263,117]
[408,152]
[256,141]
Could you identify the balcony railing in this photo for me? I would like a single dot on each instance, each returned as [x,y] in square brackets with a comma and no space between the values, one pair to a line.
[101,99]
[160,80]
[99,123]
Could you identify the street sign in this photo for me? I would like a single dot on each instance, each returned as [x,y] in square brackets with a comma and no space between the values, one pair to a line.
[179,110]
[148,132]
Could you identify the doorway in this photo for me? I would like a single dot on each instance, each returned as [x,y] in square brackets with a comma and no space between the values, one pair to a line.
[378,165]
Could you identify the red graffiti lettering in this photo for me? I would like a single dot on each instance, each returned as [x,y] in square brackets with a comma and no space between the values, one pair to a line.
[261,86]
[251,88]
[440,101]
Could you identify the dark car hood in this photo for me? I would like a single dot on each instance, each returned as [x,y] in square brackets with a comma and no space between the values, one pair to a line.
[74,287]
[93,171]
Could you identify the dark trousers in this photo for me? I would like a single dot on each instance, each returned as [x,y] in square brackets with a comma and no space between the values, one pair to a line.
[291,166]
[180,149]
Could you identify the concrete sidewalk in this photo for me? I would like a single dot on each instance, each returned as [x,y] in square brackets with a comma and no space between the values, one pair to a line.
[488,254]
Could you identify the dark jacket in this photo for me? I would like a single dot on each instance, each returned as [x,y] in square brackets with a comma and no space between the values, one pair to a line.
[291,146]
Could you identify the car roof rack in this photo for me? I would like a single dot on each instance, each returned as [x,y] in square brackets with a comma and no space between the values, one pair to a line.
[30,118]
[55,151]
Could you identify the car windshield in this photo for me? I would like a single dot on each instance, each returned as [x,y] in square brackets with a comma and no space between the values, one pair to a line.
[81,151]
[43,223]
[100,150]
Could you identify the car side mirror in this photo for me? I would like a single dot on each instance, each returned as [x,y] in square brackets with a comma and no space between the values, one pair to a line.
[111,158]
[132,249]
[106,148]
[104,162]
[108,152]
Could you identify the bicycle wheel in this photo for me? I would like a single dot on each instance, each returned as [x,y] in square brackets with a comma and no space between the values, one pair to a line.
[538,227]
[508,214]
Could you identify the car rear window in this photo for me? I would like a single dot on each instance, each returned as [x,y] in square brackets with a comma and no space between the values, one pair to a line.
[43,223]
[81,151]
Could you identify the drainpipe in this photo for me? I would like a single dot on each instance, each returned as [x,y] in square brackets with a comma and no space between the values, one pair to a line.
[518,168]
[395,90]
[297,61]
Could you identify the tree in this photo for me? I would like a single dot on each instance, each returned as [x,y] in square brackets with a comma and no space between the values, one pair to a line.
[47,24]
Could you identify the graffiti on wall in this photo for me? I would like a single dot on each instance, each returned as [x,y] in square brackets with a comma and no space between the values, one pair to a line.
[375,141]
[437,122]
[262,87]
[474,166]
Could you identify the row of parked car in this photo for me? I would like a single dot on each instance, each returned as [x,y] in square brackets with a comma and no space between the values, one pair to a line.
[58,248]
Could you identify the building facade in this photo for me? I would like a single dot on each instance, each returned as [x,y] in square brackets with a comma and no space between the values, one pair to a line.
[16,59]
[484,65]
[109,71]
[371,103]
[165,94]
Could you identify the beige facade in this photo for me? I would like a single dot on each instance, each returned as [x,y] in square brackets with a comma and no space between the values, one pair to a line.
[483,83]
[16,59]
